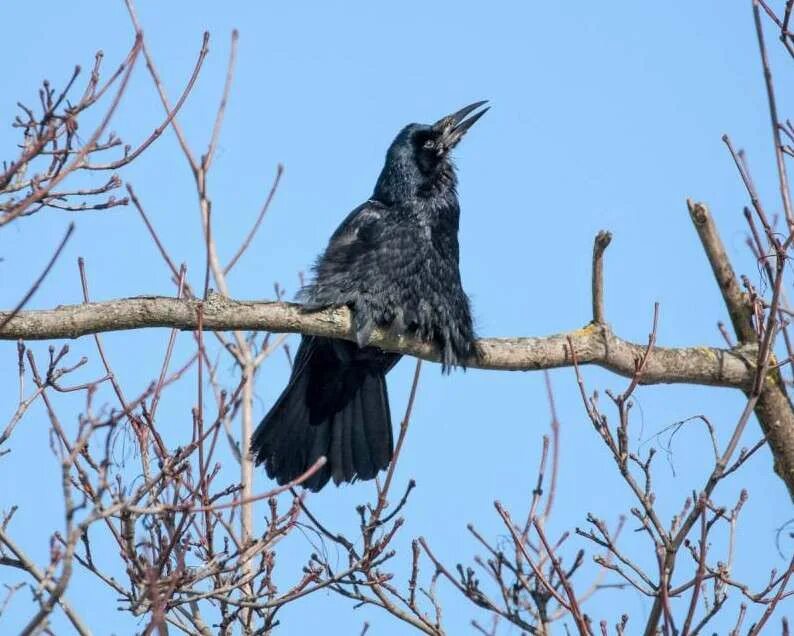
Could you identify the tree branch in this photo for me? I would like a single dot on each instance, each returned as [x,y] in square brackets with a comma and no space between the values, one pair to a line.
[602,241]
[594,344]
[736,302]
[24,563]
[773,409]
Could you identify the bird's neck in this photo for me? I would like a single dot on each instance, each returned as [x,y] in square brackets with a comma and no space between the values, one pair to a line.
[405,186]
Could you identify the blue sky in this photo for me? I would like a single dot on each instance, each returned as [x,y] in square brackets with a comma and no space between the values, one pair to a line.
[604,115]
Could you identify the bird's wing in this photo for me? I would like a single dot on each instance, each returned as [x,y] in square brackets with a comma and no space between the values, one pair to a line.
[353,248]
[361,228]
[350,259]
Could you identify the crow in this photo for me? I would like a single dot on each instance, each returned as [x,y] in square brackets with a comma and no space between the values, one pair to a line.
[394,261]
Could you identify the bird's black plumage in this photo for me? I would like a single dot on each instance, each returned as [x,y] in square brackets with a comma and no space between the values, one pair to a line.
[394,262]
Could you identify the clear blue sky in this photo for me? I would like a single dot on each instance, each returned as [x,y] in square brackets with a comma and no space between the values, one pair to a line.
[604,115]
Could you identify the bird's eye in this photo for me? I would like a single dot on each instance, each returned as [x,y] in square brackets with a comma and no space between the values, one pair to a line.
[428,145]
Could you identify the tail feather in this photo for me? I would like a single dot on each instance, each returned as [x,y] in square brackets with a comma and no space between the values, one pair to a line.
[320,440]
[334,405]
[375,400]
[334,453]
[361,452]
[343,463]
[287,441]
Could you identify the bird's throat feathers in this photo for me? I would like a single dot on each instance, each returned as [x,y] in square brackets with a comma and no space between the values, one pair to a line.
[404,181]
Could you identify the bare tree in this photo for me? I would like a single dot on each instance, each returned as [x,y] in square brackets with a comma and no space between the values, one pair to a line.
[187,555]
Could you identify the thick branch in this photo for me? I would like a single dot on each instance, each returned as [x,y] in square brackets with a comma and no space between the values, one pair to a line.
[735,301]
[595,344]
[774,410]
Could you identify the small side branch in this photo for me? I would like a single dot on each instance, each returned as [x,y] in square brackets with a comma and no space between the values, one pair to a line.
[602,241]
[23,562]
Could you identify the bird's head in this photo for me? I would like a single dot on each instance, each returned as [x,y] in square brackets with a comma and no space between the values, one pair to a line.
[418,159]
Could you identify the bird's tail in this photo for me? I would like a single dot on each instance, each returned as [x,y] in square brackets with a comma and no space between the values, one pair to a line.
[335,405]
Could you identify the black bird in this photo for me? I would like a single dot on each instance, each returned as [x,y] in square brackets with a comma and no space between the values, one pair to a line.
[394,262]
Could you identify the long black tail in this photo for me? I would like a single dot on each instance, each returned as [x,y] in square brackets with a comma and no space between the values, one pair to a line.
[334,405]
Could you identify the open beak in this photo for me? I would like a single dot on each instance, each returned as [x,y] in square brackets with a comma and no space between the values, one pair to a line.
[454,126]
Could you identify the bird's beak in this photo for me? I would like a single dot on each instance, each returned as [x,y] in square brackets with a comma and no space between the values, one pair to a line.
[452,127]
